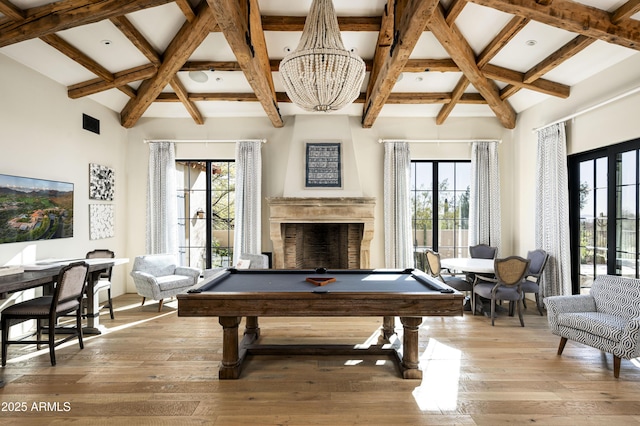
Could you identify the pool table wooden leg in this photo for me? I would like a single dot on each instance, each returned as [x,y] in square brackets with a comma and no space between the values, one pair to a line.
[251,327]
[410,358]
[230,368]
[388,329]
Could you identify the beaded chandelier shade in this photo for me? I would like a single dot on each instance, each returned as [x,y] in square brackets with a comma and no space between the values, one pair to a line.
[321,75]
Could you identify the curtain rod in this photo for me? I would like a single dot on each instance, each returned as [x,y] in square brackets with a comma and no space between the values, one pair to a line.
[439,140]
[203,140]
[584,111]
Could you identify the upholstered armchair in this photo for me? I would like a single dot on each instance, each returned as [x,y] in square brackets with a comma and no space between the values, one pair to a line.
[607,319]
[158,276]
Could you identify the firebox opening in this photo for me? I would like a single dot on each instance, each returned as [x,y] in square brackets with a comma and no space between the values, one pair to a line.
[329,245]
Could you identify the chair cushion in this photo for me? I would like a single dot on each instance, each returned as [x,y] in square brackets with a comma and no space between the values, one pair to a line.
[171,282]
[38,307]
[597,323]
[459,284]
[530,287]
[503,293]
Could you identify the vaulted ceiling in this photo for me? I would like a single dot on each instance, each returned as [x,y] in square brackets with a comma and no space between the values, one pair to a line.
[220,58]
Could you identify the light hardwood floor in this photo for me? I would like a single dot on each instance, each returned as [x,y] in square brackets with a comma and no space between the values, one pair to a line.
[158,369]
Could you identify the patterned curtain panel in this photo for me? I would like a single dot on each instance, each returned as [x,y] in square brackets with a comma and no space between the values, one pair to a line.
[552,210]
[162,215]
[248,202]
[397,208]
[484,203]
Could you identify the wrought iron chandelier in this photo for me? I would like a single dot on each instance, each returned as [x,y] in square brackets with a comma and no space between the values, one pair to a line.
[321,75]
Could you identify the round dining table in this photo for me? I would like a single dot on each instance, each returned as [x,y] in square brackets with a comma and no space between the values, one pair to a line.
[468,264]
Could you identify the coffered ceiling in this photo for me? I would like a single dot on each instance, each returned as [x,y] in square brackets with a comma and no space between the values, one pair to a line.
[219,58]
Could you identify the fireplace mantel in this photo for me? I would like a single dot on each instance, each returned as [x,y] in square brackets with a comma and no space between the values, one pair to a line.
[283,210]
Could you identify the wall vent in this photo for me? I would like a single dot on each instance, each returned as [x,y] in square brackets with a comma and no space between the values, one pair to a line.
[91,124]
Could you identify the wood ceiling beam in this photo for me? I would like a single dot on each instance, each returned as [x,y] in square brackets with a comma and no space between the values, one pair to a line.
[186,9]
[454,10]
[253,60]
[516,78]
[550,62]
[144,72]
[383,44]
[76,55]
[122,78]
[461,53]
[10,10]
[430,65]
[181,47]
[394,98]
[412,19]
[490,51]
[412,65]
[182,94]
[573,17]
[626,11]
[346,23]
[131,32]
[558,57]
[62,15]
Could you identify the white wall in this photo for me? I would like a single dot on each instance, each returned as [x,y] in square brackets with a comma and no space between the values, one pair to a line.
[614,123]
[42,137]
[283,158]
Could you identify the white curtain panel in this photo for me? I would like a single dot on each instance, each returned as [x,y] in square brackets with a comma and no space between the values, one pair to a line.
[397,208]
[248,203]
[552,210]
[484,203]
[162,215]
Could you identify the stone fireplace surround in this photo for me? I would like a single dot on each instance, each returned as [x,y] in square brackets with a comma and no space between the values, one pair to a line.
[349,229]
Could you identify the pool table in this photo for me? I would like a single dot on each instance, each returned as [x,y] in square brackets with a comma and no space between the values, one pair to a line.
[232,294]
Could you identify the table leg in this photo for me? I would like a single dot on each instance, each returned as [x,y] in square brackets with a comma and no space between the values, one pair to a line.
[388,329]
[230,368]
[93,306]
[410,358]
[251,327]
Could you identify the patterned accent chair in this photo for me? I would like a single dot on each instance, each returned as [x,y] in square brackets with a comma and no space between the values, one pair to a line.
[608,319]
[157,276]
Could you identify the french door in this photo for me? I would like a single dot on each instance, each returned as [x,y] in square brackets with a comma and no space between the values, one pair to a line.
[605,209]
[206,212]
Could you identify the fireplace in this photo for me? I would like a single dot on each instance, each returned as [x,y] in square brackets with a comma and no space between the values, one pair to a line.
[334,233]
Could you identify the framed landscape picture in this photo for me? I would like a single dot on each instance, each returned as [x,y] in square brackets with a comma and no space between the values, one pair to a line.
[34,209]
[323,165]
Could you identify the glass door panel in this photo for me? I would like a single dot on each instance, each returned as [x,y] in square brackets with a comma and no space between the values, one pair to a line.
[626,214]
[593,221]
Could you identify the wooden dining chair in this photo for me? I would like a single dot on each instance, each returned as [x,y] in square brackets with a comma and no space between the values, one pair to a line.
[481,251]
[104,282]
[531,282]
[434,268]
[66,299]
[507,284]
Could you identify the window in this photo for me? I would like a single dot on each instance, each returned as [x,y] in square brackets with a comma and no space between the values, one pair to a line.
[448,183]
[603,189]
[206,199]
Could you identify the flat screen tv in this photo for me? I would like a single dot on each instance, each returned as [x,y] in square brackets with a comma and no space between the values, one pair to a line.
[34,209]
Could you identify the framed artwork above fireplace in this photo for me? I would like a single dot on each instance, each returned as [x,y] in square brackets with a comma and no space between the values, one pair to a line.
[323,165]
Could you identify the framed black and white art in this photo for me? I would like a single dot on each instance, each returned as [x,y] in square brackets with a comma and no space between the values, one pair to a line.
[102,182]
[323,165]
